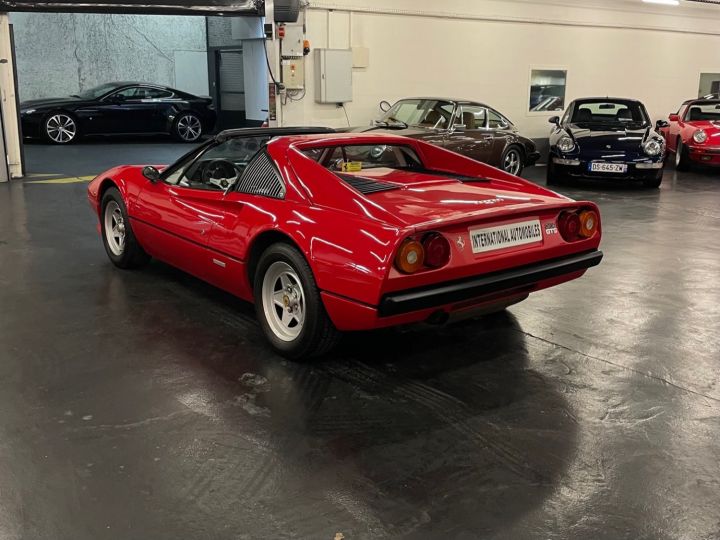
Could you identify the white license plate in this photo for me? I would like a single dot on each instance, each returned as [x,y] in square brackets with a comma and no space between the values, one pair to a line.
[617,168]
[505,236]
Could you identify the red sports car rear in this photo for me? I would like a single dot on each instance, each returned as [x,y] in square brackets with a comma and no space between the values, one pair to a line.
[342,232]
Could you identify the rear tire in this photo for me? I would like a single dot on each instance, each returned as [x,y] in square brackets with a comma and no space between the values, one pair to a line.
[289,307]
[682,160]
[512,161]
[187,127]
[120,243]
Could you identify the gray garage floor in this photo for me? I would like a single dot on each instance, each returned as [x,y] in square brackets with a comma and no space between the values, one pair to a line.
[145,405]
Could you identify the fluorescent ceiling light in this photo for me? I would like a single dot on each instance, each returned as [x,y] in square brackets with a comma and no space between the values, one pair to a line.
[665,2]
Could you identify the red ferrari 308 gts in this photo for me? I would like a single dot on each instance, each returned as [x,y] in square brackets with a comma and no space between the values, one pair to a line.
[330,232]
[693,134]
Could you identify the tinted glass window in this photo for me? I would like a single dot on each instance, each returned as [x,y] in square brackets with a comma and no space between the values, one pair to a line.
[610,112]
[97,91]
[152,93]
[356,158]
[219,166]
[495,121]
[420,112]
[472,116]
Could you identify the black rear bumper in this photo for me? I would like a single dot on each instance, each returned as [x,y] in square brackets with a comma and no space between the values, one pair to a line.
[468,289]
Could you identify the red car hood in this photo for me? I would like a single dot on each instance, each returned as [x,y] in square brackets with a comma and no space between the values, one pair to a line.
[707,125]
[430,199]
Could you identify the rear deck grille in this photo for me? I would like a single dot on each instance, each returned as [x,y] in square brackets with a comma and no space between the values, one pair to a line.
[367,186]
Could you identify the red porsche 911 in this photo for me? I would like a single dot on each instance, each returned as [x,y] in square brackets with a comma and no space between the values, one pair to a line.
[693,134]
[329,232]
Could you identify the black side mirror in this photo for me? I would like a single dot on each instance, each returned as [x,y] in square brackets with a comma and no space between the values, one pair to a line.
[385,106]
[117,98]
[554,120]
[151,173]
[662,124]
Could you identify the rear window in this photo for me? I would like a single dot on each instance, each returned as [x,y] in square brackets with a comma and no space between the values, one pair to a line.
[356,158]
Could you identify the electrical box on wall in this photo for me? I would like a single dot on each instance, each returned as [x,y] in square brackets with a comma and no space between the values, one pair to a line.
[293,73]
[333,75]
[292,43]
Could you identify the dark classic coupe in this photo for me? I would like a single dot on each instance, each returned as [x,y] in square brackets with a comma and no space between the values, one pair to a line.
[606,138]
[119,108]
[466,127]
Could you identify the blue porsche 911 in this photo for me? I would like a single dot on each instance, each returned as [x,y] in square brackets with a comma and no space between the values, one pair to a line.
[606,138]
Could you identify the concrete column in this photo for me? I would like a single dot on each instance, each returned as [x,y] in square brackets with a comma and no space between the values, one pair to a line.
[8,102]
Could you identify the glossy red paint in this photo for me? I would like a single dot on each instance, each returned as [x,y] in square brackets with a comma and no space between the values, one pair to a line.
[349,239]
[682,129]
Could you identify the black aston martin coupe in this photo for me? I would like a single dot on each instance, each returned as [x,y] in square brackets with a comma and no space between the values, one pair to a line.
[119,108]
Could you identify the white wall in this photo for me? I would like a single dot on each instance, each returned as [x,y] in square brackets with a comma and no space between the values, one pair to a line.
[484,50]
[59,54]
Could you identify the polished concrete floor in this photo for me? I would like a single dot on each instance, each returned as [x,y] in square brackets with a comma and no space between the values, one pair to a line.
[146,405]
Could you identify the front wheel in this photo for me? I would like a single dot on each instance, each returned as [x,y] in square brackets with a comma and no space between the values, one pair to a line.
[512,161]
[682,161]
[553,177]
[654,183]
[120,243]
[187,128]
[288,305]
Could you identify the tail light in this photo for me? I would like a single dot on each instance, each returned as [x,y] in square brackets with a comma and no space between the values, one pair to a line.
[410,257]
[588,223]
[574,226]
[437,250]
[432,252]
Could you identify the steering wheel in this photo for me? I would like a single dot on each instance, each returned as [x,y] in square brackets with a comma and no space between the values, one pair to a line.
[221,173]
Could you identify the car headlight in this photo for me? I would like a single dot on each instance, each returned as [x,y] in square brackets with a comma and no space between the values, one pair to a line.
[653,147]
[700,136]
[27,111]
[566,144]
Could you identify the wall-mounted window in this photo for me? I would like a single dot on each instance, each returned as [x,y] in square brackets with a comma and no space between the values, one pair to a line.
[547,90]
[709,84]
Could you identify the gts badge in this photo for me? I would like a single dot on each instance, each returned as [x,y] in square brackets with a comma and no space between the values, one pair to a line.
[550,229]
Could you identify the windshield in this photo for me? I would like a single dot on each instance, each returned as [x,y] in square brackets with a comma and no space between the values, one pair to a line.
[698,112]
[427,113]
[97,91]
[610,113]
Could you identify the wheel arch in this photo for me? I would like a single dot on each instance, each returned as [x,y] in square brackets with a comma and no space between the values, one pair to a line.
[263,241]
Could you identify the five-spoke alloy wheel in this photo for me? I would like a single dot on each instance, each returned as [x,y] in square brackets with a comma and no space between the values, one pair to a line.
[288,304]
[114,228]
[61,128]
[120,243]
[283,301]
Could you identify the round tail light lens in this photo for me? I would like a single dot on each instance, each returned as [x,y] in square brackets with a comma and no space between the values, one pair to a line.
[410,257]
[588,223]
[437,250]
[569,225]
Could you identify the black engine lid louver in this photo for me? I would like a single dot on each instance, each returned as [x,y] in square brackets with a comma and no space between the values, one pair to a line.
[366,186]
